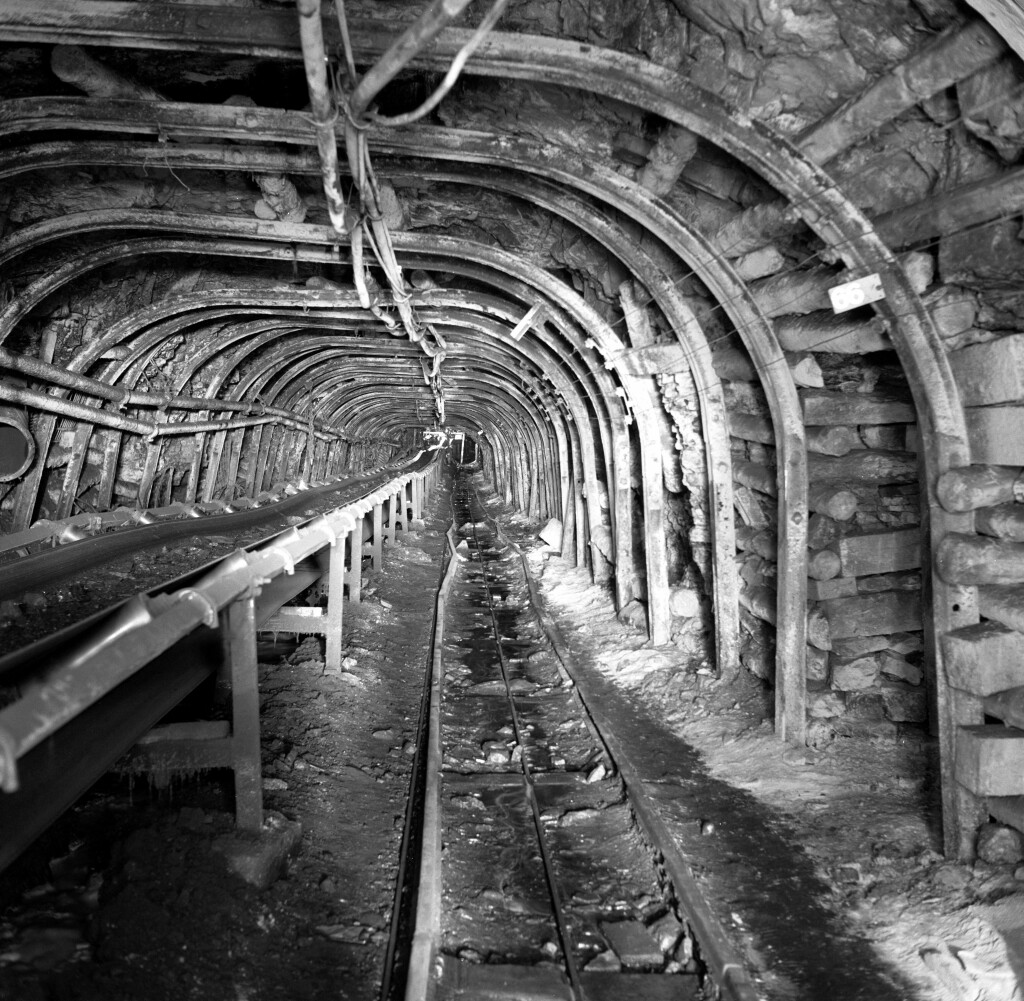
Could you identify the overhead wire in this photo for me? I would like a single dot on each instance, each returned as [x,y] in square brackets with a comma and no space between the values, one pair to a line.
[372,228]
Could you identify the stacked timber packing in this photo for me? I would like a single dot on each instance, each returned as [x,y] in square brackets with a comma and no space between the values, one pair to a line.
[985,662]
[864,626]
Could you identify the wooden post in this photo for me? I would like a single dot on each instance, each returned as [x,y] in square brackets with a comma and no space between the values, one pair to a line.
[238,626]
[335,606]
[73,472]
[149,468]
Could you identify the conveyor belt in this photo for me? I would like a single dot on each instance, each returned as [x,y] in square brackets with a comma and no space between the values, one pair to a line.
[19,576]
[54,773]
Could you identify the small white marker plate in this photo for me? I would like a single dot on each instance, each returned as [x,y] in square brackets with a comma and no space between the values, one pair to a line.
[859,292]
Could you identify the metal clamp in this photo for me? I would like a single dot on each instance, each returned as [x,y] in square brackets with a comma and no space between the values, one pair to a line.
[324,529]
[286,558]
[210,610]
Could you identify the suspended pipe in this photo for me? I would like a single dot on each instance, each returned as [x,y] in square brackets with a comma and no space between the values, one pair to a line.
[79,411]
[94,387]
[17,444]
[324,114]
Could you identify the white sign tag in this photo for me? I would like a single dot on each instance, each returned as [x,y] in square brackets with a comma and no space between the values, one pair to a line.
[859,292]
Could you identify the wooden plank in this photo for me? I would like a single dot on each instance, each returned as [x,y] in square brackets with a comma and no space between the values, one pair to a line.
[826,332]
[971,487]
[794,292]
[990,759]
[880,552]
[907,581]
[823,565]
[837,587]
[822,531]
[213,729]
[297,619]
[831,501]
[826,406]
[819,629]
[599,986]
[760,541]
[163,758]
[1007,810]
[1003,603]
[874,614]
[672,151]
[1007,705]
[836,439]
[966,205]
[864,466]
[996,435]
[950,57]
[761,602]
[890,437]
[750,428]
[745,398]
[990,373]
[969,560]
[983,659]
[497,982]
[734,365]
[1003,522]
[755,476]
[759,263]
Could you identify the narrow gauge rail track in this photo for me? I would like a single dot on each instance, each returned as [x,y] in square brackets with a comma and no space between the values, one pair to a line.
[541,875]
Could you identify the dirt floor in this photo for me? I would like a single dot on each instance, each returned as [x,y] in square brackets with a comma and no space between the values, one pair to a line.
[862,812]
[825,862]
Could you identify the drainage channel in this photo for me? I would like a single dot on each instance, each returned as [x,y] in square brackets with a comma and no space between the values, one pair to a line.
[544,882]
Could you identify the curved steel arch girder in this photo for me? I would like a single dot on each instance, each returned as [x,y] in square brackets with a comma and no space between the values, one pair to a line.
[657,567]
[499,354]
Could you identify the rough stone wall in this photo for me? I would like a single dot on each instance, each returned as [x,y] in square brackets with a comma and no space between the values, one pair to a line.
[865,617]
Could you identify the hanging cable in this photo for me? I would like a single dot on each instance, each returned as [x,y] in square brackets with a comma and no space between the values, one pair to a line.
[458,64]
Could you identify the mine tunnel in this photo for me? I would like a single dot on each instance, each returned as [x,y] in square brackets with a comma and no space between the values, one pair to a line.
[511,500]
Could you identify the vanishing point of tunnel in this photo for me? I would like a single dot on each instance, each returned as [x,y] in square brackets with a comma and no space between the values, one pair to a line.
[511,500]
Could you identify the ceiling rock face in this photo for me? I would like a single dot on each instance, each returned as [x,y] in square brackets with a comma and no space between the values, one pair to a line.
[606,253]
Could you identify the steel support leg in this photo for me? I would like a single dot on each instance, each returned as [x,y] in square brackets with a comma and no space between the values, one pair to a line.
[392,517]
[238,625]
[378,542]
[335,607]
[355,570]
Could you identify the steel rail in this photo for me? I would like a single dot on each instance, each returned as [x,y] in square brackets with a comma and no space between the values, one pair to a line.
[561,924]
[427,921]
[414,868]
[724,959]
